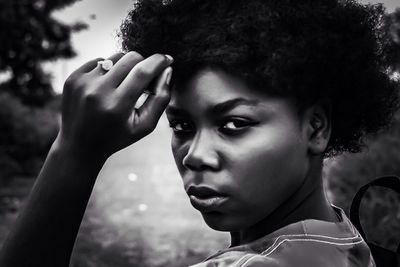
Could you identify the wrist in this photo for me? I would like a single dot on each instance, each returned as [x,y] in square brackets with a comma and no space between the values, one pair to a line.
[79,153]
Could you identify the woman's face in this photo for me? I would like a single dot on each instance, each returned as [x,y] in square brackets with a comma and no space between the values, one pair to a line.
[240,153]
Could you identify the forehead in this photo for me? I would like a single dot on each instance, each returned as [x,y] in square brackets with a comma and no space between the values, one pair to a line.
[212,86]
[216,91]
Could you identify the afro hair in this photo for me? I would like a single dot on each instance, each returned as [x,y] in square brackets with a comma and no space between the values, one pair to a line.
[305,50]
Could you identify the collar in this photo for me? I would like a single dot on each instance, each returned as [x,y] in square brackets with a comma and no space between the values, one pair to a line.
[341,232]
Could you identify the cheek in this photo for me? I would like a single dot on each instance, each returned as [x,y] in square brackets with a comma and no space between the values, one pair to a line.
[272,169]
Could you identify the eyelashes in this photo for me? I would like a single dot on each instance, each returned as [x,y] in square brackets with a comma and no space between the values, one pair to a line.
[228,126]
[180,126]
[236,124]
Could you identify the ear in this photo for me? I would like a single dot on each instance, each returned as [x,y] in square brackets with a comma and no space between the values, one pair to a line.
[318,127]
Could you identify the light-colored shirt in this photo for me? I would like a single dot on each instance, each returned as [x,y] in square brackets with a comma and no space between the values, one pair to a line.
[308,243]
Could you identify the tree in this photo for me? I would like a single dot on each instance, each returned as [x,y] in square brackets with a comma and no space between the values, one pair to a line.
[30,36]
[393,28]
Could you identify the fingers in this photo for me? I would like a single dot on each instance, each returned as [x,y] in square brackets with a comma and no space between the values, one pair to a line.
[121,69]
[114,58]
[85,68]
[150,112]
[93,66]
[140,77]
[92,105]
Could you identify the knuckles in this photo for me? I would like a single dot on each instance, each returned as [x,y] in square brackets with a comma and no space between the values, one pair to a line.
[92,98]
[69,83]
[164,95]
[103,109]
[134,55]
[141,72]
[146,68]
[105,106]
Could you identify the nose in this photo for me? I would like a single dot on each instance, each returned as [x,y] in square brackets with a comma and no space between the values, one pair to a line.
[201,154]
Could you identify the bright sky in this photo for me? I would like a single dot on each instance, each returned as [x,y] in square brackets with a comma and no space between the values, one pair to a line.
[99,40]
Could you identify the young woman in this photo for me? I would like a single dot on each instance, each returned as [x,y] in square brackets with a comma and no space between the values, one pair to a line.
[262,92]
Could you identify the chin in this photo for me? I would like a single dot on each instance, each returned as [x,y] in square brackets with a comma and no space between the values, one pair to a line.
[221,222]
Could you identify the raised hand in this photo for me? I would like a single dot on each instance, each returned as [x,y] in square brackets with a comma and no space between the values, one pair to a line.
[98,114]
[98,119]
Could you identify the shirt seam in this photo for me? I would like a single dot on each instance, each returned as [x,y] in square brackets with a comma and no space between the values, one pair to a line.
[309,237]
[240,262]
[294,240]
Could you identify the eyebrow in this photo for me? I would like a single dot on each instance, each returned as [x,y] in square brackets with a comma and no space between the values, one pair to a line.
[218,108]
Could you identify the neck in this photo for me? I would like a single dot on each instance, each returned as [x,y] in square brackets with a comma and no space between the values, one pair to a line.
[309,202]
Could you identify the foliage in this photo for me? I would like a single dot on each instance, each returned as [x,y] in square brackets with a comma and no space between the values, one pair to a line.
[393,28]
[380,209]
[29,36]
[25,137]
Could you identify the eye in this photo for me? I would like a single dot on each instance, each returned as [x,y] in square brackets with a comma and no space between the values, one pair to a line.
[180,126]
[232,125]
[235,125]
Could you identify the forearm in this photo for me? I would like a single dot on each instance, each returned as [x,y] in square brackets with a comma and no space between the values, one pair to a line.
[46,229]
[98,119]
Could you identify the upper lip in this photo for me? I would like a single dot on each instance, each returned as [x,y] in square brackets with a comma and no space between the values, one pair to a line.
[203,191]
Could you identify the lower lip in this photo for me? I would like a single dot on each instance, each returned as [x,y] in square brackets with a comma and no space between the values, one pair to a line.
[207,204]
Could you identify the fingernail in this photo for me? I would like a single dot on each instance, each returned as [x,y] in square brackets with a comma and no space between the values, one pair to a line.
[169,75]
[169,58]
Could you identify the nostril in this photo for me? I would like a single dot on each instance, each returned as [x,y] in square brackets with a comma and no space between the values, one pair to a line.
[200,162]
[196,168]
[189,163]
[201,154]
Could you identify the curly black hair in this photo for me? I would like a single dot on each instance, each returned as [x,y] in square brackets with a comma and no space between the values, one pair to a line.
[305,50]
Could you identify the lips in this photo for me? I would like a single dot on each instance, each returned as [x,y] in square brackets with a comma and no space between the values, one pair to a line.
[206,199]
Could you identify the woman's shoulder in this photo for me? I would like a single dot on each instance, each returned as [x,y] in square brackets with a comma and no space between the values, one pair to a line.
[299,252]
[305,243]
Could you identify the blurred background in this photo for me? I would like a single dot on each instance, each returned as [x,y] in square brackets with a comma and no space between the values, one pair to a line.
[138,214]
